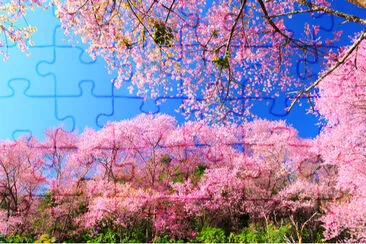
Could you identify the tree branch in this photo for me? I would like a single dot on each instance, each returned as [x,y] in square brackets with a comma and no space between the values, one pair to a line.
[227,49]
[348,17]
[298,43]
[329,71]
[169,11]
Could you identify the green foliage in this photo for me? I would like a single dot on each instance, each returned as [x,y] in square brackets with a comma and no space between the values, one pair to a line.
[26,238]
[109,236]
[163,35]
[315,235]
[45,238]
[110,233]
[47,202]
[178,176]
[319,237]
[274,234]
[198,173]
[138,232]
[271,234]
[167,239]
[164,239]
[222,62]
[247,235]
[210,234]
[163,175]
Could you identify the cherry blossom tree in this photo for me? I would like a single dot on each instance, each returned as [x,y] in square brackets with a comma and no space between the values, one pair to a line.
[149,172]
[273,179]
[57,147]
[55,150]
[218,55]
[21,183]
[342,144]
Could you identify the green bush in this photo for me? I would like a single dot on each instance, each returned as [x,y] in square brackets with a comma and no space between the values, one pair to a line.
[274,234]
[107,237]
[210,234]
[167,239]
[45,238]
[164,239]
[247,235]
[271,234]
[17,239]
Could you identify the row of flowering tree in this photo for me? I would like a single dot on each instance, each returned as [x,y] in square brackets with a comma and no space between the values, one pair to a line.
[219,56]
[172,180]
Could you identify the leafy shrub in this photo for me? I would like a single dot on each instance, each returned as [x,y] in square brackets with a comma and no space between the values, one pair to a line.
[167,239]
[17,239]
[111,233]
[274,234]
[271,234]
[45,238]
[107,237]
[210,234]
[247,235]
[164,239]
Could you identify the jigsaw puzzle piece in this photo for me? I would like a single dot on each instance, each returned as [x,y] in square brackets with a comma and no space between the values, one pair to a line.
[85,106]
[149,106]
[61,41]
[123,107]
[20,65]
[28,114]
[68,69]
[126,106]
